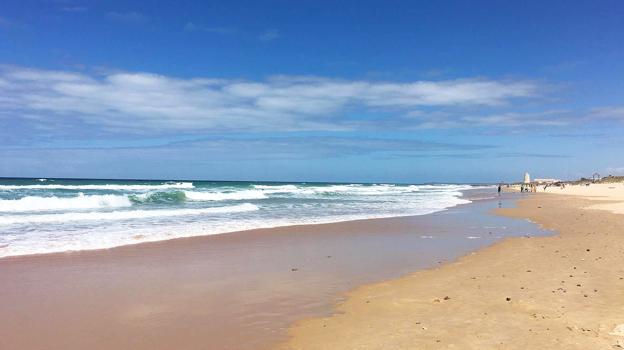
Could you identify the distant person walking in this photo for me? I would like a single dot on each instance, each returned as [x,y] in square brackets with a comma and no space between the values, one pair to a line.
[499,188]
[521,188]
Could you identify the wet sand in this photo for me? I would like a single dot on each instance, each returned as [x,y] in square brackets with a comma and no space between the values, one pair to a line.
[230,291]
[560,292]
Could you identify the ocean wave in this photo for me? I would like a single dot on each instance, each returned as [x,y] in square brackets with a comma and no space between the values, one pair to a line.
[112,239]
[180,196]
[361,190]
[122,215]
[56,203]
[285,188]
[220,196]
[157,197]
[33,203]
[84,222]
[97,187]
[444,188]
[333,190]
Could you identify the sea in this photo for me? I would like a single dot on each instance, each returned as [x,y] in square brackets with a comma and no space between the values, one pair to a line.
[39,216]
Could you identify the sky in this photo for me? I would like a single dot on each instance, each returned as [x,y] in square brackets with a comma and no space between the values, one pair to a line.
[340,91]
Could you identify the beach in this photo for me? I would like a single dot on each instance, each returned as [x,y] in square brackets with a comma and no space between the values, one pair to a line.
[230,291]
[560,292]
[316,175]
[459,278]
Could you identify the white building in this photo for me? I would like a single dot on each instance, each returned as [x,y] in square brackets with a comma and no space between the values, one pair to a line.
[548,181]
[527,178]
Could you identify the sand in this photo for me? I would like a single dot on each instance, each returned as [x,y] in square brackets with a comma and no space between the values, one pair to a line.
[612,194]
[560,292]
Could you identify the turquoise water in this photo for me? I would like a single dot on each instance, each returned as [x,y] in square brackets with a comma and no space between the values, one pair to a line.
[51,215]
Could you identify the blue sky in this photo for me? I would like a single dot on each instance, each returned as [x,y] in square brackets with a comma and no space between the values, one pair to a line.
[367,91]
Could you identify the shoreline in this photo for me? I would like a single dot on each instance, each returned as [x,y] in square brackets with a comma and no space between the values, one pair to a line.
[48,219]
[248,285]
[285,226]
[515,294]
[259,228]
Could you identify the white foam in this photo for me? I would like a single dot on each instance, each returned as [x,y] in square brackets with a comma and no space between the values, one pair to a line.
[285,188]
[97,187]
[56,203]
[219,196]
[121,215]
[339,189]
[116,239]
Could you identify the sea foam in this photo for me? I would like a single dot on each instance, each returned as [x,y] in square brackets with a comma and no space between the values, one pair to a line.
[97,187]
[220,196]
[56,203]
[122,215]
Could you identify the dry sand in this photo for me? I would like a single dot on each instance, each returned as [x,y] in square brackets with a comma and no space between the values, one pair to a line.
[612,194]
[560,292]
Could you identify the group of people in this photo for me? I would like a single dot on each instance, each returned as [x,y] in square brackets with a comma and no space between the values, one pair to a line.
[530,188]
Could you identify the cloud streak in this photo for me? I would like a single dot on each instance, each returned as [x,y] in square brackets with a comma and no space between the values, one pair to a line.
[479,155]
[76,9]
[150,104]
[130,17]
[616,171]
[192,27]
[545,119]
[269,34]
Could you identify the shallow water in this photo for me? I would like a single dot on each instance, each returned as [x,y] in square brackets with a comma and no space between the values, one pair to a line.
[55,215]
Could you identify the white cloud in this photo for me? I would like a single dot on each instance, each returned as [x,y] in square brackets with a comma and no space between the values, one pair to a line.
[143,103]
[614,171]
[609,113]
[434,73]
[545,118]
[564,67]
[192,27]
[269,34]
[127,17]
[74,9]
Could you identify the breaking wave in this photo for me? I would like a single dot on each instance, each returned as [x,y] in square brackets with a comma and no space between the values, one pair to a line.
[117,201]
[56,203]
[219,196]
[122,215]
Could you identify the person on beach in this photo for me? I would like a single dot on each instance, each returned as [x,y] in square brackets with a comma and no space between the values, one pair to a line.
[521,188]
[499,188]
